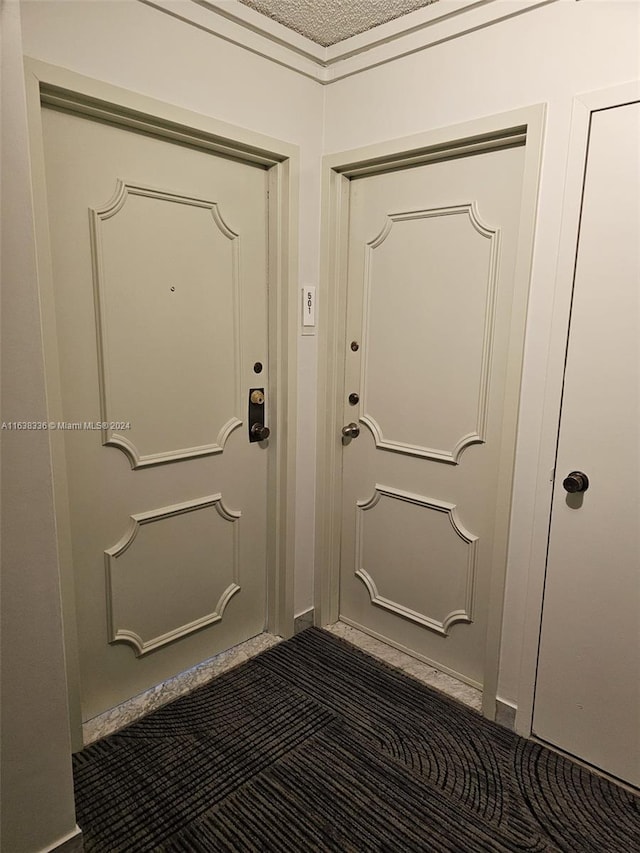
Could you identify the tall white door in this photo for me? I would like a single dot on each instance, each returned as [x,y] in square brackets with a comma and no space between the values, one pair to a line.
[160,278]
[588,685]
[431,390]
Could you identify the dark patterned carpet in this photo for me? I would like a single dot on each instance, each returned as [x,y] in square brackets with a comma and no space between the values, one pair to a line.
[315,746]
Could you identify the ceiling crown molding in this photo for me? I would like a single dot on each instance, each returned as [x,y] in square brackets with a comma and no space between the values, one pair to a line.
[424,28]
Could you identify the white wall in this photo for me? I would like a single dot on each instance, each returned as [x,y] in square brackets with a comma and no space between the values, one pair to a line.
[137,47]
[37,792]
[549,55]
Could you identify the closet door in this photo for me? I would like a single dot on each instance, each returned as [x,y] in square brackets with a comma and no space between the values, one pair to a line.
[588,684]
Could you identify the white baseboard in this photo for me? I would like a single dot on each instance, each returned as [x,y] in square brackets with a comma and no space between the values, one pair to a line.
[506,713]
[71,843]
[303,620]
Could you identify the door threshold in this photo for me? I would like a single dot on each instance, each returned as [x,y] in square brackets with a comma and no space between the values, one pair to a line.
[161,694]
[447,684]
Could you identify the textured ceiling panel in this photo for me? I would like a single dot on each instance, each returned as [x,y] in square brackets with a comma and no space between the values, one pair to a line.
[329,21]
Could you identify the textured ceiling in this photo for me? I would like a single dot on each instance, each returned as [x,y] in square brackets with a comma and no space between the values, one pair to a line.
[329,21]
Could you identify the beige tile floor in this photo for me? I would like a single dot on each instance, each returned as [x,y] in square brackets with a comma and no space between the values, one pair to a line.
[120,716]
[423,672]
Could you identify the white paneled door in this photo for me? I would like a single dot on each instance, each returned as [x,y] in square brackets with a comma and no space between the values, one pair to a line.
[431,389]
[159,254]
[588,685]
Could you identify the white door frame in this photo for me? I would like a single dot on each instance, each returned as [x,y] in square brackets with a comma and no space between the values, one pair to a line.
[583,107]
[53,86]
[488,133]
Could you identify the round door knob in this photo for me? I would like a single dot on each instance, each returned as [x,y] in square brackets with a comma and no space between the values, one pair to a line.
[576,481]
[260,432]
[351,431]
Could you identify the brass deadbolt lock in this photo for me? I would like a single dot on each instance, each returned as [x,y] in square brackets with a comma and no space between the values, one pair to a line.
[256,414]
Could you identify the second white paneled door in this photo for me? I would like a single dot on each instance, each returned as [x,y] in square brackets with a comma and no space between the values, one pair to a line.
[430,385]
[159,254]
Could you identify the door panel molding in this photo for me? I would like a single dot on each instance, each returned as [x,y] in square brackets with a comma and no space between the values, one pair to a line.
[113,376]
[122,586]
[538,531]
[467,562]
[489,133]
[60,88]
[460,439]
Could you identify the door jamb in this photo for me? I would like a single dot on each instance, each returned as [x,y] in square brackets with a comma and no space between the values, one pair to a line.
[60,87]
[583,107]
[482,134]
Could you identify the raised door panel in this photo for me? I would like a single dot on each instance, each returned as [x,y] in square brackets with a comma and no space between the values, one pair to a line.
[173,572]
[415,558]
[431,273]
[165,263]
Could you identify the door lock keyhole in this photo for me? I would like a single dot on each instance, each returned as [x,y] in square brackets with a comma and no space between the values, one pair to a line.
[257,429]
